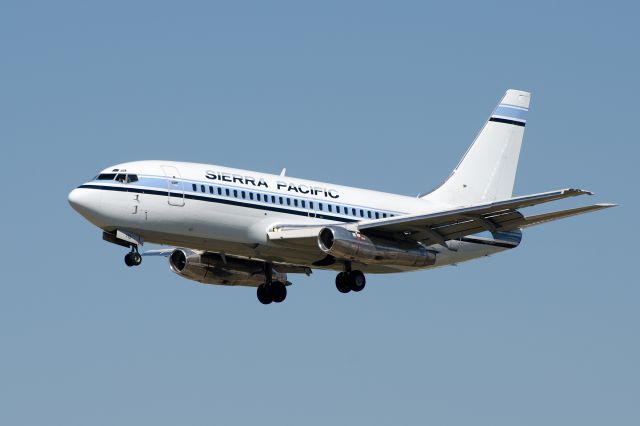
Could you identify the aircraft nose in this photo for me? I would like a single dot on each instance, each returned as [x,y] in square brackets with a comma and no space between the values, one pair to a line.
[83,201]
[75,199]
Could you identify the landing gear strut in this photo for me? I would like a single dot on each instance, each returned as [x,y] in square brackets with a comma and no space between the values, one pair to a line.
[133,258]
[271,291]
[350,280]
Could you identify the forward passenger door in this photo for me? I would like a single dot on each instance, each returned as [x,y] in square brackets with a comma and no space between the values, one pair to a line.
[175,185]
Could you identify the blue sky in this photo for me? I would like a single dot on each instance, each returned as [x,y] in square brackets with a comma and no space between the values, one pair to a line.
[383,95]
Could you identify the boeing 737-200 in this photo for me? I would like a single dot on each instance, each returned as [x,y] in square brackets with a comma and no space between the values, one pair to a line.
[237,227]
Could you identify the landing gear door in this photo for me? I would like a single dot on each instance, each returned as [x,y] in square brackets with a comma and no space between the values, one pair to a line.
[175,185]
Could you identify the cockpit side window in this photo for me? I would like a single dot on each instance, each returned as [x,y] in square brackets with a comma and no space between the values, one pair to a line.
[132,178]
[121,177]
[106,176]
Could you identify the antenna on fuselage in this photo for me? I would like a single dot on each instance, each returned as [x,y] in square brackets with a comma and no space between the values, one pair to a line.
[283,172]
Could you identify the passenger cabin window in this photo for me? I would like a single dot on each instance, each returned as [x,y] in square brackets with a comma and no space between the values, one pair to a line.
[377,215]
[243,194]
[384,215]
[295,202]
[202,188]
[353,211]
[211,190]
[320,206]
[251,195]
[195,188]
[329,207]
[219,191]
[369,214]
[227,191]
[235,193]
[361,213]
[337,209]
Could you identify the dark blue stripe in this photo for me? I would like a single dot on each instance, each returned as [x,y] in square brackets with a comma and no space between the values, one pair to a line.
[507,121]
[217,200]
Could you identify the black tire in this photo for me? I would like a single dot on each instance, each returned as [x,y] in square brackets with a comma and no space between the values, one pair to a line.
[357,281]
[128,260]
[278,291]
[264,295]
[342,283]
[136,258]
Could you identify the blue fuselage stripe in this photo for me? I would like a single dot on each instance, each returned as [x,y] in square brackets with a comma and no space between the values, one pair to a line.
[211,199]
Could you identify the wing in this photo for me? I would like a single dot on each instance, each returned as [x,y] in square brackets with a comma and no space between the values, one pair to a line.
[560,214]
[441,226]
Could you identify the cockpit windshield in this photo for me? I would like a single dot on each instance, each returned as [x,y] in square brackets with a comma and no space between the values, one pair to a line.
[120,177]
[106,176]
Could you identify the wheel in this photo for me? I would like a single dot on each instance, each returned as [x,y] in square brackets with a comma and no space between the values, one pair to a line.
[264,295]
[357,281]
[341,283]
[136,258]
[278,291]
[128,260]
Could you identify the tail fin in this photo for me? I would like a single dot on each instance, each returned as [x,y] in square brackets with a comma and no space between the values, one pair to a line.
[488,169]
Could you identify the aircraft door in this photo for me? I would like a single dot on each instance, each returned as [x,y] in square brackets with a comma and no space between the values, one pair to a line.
[175,185]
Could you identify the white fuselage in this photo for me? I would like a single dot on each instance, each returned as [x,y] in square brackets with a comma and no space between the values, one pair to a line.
[230,211]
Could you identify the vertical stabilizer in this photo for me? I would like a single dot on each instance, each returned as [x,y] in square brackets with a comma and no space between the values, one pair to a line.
[487,171]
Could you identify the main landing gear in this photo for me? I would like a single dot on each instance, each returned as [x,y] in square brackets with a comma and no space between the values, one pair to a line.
[276,291]
[133,258]
[350,280]
[271,291]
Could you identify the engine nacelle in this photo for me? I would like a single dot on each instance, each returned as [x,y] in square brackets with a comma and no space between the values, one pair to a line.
[211,268]
[344,244]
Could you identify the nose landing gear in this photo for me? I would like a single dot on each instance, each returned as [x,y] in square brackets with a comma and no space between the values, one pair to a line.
[133,258]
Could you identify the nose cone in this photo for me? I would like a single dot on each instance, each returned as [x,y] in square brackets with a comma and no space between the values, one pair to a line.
[86,202]
[78,200]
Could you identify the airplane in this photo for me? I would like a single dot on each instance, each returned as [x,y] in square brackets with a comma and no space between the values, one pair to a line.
[243,228]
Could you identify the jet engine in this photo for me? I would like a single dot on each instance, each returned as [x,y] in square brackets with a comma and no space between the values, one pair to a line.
[212,268]
[345,244]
